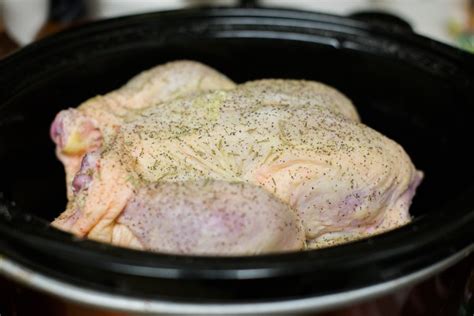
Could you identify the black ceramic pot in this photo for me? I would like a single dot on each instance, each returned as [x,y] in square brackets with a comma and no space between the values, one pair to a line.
[411,88]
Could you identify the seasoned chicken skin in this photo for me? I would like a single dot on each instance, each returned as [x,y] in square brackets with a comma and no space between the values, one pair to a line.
[210,217]
[193,217]
[297,147]
[96,121]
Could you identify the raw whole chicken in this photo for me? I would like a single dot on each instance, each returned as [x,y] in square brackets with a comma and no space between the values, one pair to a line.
[188,162]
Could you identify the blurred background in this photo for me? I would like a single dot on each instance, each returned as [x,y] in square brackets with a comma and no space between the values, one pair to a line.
[24,21]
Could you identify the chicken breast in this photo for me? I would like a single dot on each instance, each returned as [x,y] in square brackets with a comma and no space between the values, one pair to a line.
[302,142]
[96,121]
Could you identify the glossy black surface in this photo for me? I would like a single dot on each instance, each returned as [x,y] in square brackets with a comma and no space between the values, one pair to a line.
[416,91]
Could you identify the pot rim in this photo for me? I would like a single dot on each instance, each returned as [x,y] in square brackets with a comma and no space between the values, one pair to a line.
[122,303]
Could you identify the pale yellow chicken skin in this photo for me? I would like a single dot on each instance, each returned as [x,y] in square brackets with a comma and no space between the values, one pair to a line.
[300,141]
[97,120]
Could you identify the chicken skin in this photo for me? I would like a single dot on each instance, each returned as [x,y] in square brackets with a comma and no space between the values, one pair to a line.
[209,217]
[264,166]
[96,121]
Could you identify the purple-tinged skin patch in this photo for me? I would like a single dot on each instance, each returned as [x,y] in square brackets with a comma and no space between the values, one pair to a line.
[83,178]
[57,130]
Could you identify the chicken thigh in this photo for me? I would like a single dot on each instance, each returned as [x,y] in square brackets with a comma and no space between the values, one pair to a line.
[289,156]
[209,217]
[190,217]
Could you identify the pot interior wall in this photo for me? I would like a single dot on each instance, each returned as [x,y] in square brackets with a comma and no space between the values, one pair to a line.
[423,110]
